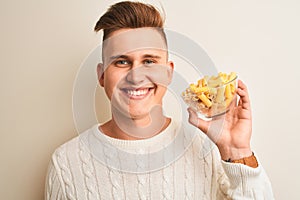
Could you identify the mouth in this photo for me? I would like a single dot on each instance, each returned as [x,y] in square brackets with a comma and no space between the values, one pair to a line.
[137,93]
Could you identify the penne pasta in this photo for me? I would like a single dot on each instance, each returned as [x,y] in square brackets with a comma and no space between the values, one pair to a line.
[215,82]
[211,95]
[228,101]
[204,82]
[232,87]
[220,95]
[200,83]
[205,100]
[228,94]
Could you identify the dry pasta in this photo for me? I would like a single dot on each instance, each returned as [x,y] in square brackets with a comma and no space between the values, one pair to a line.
[211,95]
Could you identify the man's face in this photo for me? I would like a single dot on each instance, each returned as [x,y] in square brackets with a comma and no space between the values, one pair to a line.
[135,70]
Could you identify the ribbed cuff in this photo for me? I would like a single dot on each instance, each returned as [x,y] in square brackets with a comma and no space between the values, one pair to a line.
[241,175]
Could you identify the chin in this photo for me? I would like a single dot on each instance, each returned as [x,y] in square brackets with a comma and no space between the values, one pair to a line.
[138,114]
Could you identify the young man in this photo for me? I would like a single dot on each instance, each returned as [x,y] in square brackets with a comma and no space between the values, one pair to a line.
[135,74]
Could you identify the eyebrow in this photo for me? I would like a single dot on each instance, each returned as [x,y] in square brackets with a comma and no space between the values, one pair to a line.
[126,57]
[118,56]
[151,56]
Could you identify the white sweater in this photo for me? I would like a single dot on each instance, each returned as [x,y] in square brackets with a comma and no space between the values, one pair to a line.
[80,171]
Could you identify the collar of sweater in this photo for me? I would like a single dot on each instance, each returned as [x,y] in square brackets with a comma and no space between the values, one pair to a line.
[148,145]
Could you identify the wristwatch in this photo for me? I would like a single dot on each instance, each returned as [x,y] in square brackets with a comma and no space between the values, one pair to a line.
[250,161]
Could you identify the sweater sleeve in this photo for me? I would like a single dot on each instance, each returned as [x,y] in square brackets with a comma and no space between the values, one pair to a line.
[238,181]
[53,189]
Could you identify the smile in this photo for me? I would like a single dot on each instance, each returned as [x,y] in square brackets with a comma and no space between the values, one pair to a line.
[137,93]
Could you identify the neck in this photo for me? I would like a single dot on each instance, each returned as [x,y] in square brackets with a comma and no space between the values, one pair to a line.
[126,128]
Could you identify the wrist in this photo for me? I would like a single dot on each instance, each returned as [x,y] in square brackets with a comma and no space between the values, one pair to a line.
[232,153]
[239,155]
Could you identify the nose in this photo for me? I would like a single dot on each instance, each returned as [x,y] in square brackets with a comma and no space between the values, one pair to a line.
[136,75]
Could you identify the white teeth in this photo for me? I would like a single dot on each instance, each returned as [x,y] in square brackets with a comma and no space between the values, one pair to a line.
[137,92]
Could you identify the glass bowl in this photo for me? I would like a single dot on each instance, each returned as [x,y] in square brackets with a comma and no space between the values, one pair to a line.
[212,99]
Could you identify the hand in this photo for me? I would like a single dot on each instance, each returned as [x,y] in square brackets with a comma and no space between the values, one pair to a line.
[233,139]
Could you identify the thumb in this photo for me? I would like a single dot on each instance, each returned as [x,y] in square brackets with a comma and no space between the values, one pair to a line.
[196,121]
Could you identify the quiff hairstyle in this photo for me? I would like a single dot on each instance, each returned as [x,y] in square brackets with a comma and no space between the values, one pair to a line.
[127,14]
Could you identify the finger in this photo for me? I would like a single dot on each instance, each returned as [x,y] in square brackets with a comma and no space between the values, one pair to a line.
[240,102]
[244,99]
[193,118]
[242,85]
[244,96]
[233,104]
[196,121]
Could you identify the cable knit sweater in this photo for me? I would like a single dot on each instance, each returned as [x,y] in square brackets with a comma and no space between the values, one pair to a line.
[76,172]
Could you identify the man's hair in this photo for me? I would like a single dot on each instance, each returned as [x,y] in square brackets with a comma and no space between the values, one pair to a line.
[129,14]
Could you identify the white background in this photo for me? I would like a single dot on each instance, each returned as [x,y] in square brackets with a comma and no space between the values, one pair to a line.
[43,44]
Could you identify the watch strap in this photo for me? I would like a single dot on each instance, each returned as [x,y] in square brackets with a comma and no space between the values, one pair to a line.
[250,161]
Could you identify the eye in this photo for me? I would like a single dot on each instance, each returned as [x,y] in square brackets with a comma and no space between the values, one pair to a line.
[149,62]
[122,63]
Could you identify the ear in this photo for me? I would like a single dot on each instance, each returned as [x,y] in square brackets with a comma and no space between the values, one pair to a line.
[170,65]
[100,73]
